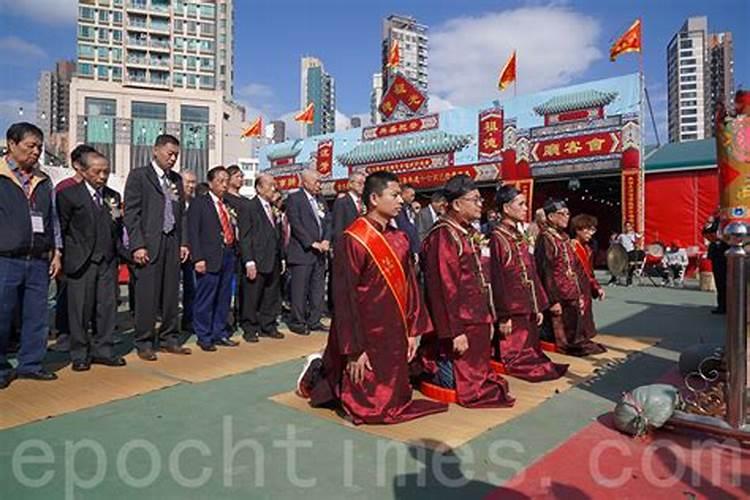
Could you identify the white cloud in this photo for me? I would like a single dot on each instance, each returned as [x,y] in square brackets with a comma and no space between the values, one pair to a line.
[256,90]
[554,44]
[292,127]
[343,122]
[436,104]
[17,52]
[45,11]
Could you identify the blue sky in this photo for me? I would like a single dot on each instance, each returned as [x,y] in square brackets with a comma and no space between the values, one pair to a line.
[558,43]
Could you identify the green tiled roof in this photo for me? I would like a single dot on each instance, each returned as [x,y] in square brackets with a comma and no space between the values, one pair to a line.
[285,150]
[577,100]
[395,148]
[682,155]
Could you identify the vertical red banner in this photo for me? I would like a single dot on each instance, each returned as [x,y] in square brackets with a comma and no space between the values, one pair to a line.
[631,198]
[325,158]
[490,134]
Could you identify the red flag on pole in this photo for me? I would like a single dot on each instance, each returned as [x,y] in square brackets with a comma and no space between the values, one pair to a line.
[508,74]
[254,130]
[307,116]
[630,41]
[394,55]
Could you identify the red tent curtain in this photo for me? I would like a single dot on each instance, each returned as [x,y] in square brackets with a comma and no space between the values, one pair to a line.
[678,204]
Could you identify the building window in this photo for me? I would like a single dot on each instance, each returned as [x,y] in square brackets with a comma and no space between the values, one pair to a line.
[688,70]
[689,86]
[689,119]
[149,121]
[179,62]
[194,138]
[86,32]
[117,17]
[103,16]
[117,73]
[692,111]
[191,62]
[102,72]
[85,51]
[85,69]
[192,80]
[117,36]
[86,13]
[179,26]
[100,126]
[179,79]
[686,44]
[102,35]
[102,54]
[208,11]
[207,82]
[116,55]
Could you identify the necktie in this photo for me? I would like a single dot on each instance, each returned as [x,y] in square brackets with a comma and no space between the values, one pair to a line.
[269,213]
[226,226]
[168,209]
[358,203]
[98,199]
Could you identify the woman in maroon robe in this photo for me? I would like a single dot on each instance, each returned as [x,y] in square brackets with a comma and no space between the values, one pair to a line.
[460,302]
[560,273]
[518,295]
[378,313]
[584,228]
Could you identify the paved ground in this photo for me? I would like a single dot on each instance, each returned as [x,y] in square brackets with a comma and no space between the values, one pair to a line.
[225,439]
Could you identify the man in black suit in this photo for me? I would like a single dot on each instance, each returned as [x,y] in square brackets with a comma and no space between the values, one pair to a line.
[241,206]
[154,201]
[428,215]
[189,182]
[406,218]
[261,254]
[91,225]
[348,207]
[306,256]
[212,228]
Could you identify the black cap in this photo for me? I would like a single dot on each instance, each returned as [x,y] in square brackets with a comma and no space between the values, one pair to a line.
[553,205]
[457,186]
[506,194]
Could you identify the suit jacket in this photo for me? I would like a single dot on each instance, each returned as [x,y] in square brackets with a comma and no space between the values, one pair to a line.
[144,209]
[424,222]
[264,247]
[241,207]
[344,212]
[404,224]
[78,223]
[204,233]
[307,228]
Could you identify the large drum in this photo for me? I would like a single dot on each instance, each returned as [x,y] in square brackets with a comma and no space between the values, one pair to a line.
[655,253]
[617,260]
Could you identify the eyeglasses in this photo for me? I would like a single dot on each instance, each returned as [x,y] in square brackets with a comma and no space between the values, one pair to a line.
[478,200]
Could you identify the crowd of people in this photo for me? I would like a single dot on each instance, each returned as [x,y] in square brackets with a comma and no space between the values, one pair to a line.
[414,293]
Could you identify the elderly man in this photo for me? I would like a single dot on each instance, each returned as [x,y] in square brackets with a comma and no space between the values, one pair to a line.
[306,257]
[28,257]
[154,204]
[261,253]
[427,217]
[407,218]
[348,207]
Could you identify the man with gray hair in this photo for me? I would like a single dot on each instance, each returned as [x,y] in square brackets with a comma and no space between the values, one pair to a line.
[310,242]
[348,207]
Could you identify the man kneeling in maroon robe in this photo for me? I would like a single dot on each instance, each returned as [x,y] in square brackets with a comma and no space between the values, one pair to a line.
[377,316]
[519,297]
[564,282]
[460,302]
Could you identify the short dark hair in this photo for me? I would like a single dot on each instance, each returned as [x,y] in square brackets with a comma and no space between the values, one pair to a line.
[376,183]
[407,186]
[214,172]
[88,156]
[18,132]
[79,151]
[583,221]
[201,188]
[438,196]
[164,139]
[233,169]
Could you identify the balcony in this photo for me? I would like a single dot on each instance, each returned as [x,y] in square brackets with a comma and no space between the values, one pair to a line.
[159,26]
[137,42]
[161,45]
[138,5]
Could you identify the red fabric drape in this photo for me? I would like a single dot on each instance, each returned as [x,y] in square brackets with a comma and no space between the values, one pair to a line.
[678,204]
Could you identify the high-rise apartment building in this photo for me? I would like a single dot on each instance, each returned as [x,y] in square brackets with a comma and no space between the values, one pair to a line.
[376,97]
[52,104]
[413,49]
[700,73]
[319,88]
[146,67]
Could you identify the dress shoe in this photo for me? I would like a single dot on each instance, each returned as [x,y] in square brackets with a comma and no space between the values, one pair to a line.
[206,347]
[227,343]
[319,327]
[176,349]
[299,330]
[273,334]
[81,366]
[6,380]
[147,355]
[251,337]
[39,375]
[116,361]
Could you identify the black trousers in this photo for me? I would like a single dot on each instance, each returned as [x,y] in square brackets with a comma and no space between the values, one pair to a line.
[92,310]
[61,307]
[157,286]
[307,293]
[260,301]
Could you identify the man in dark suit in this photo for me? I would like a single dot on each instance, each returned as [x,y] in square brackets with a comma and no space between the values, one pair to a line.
[406,218]
[261,254]
[306,256]
[347,207]
[241,206]
[189,182]
[91,225]
[154,201]
[428,215]
[212,228]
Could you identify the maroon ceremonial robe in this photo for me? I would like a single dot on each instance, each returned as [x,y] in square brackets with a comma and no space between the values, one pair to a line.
[519,297]
[560,273]
[590,289]
[367,318]
[459,300]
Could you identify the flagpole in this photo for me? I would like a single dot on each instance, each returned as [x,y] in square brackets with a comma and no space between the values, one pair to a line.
[515,80]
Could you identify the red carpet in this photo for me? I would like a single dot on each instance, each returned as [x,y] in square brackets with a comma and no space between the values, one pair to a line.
[600,463]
